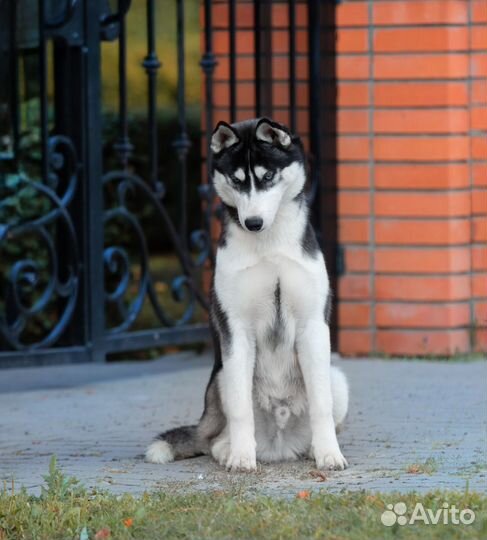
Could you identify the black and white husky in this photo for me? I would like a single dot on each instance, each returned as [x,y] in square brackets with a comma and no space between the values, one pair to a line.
[272,394]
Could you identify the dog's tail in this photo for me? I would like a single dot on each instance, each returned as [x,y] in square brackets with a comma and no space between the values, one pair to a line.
[179,443]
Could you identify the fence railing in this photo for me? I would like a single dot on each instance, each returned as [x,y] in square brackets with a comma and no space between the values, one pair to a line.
[105,224]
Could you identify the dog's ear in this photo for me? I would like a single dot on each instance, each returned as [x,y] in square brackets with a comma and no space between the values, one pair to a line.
[270,132]
[223,137]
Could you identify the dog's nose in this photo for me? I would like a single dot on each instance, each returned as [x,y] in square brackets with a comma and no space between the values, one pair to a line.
[254,223]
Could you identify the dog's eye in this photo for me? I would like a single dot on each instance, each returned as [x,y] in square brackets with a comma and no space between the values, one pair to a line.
[269,175]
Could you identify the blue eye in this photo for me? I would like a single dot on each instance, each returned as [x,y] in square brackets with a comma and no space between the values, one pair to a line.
[268,176]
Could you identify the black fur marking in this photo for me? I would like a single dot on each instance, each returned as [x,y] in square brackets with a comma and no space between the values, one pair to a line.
[328,306]
[308,241]
[219,321]
[232,214]
[276,332]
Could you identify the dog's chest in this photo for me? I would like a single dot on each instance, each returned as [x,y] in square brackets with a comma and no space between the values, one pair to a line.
[276,292]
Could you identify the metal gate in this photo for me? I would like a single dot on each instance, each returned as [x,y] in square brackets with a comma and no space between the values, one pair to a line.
[79,218]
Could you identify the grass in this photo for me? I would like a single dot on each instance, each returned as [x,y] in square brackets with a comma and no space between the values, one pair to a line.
[67,510]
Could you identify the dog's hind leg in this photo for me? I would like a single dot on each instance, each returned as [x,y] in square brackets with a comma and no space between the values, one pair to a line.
[339,392]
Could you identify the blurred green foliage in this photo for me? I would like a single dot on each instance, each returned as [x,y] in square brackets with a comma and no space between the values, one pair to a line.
[166,35]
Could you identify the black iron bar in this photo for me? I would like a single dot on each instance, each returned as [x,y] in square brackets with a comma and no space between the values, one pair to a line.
[123,147]
[152,64]
[314,106]
[14,97]
[257,57]
[182,143]
[292,64]
[233,60]
[208,64]
[43,93]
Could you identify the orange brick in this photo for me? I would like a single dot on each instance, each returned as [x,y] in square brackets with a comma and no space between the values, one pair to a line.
[424,39]
[479,65]
[479,229]
[479,174]
[480,313]
[422,121]
[353,315]
[422,66]
[352,14]
[352,41]
[349,67]
[422,204]
[245,69]
[479,148]
[428,342]
[354,342]
[353,203]
[479,117]
[479,37]
[280,42]
[479,285]
[245,94]
[355,287]
[479,202]
[280,68]
[244,15]
[480,338]
[421,94]
[352,94]
[479,92]
[479,11]
[420,176]
[420,12]
[422,232]
[352,176]
[352,121]
[353,231]
[479,258]
[421,148]
[352,148]
[357,259]
[422,261]
[414,288]
[403,315]
[280,15]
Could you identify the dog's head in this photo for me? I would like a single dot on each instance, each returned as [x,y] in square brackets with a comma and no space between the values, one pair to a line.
[257,166]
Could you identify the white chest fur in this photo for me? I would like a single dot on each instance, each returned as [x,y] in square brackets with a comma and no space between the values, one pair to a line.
[270,288]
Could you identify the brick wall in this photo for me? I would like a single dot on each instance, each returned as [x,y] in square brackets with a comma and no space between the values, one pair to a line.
[411,171]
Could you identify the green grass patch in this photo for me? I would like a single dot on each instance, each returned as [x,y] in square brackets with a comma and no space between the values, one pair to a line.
[67,510]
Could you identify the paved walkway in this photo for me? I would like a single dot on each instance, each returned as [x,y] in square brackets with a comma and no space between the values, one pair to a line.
[412,426]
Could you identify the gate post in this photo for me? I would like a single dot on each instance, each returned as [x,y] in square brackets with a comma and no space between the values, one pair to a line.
[93,248]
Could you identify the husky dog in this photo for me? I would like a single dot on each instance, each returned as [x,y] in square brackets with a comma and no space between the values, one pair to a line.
[272,394]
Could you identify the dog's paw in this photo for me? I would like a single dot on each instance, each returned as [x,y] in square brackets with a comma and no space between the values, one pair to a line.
[329,458]
[242,460]
[221,450]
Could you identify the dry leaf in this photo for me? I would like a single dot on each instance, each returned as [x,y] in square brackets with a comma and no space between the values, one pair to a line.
[319,475]
[103,533]
[304,494]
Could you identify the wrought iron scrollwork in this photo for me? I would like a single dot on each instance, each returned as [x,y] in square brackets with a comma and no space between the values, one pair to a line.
[32,288]
[185,288]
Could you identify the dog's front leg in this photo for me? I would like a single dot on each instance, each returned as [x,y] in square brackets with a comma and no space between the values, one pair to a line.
[237,378]
[313,346]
